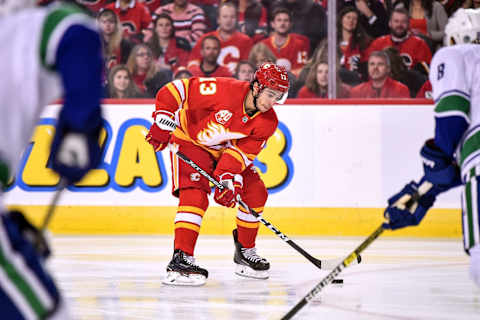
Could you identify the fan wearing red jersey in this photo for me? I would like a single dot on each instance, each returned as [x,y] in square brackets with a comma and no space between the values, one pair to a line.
[234,45]
[133,15]
[412,49]
[208,66]
[222,125]
[291,49]
[380,85]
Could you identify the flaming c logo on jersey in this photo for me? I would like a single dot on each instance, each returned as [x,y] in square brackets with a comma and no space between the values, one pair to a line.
[223,116]
[215,134]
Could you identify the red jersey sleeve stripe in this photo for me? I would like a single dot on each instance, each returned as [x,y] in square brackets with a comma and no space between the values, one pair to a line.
[173,91]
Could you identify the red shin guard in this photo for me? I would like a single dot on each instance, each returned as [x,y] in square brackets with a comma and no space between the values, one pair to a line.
[193,204]
[247,236]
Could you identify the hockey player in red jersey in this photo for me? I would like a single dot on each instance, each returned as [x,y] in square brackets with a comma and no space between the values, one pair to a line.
[222,125]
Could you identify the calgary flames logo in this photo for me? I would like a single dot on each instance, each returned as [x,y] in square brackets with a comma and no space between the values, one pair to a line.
[223,116]
[215,134]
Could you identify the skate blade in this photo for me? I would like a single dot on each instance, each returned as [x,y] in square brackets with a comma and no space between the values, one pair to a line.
[174,278]
[247,272]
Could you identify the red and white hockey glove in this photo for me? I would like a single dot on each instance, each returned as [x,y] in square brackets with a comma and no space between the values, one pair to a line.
[160,131]
[228,196]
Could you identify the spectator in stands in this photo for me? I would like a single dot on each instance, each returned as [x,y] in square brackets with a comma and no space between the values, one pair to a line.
[320,54]
[380,85]
[133,15]
[188,19]
[413,49]
[244,71]
[169,51]
[234,45]
[208,66]
[427,19]
[308,18]
[116,49]
[290,49]
[261,53]
[413,79]
[373,16]
[352,39]
[316,85]
[252,19]
[141,66]
[120,84]
[350,78]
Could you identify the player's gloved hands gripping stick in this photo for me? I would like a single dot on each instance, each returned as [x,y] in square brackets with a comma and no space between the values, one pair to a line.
[409,206]
[160,131]
[232,192]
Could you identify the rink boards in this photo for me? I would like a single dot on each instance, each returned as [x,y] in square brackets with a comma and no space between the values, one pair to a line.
[329,169]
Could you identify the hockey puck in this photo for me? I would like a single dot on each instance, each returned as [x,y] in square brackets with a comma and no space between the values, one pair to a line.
[337,281]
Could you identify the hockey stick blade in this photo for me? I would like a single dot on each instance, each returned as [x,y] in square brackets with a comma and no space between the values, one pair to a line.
[334,273]
[332,263]
[321,264]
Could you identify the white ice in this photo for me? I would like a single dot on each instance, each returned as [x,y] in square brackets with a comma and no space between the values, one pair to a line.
[119,277]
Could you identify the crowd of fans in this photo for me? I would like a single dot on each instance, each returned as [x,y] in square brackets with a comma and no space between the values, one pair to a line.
[384,46]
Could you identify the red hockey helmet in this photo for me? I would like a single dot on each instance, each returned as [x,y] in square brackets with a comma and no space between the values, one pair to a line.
[274,77]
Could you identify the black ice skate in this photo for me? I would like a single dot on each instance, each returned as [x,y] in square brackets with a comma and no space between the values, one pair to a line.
[248,263]
[182,271]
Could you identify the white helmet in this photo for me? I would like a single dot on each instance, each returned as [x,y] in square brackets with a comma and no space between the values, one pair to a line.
[462,27]
[10,6]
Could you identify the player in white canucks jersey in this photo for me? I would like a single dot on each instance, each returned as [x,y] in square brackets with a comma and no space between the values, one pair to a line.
[452,157]
[46,53]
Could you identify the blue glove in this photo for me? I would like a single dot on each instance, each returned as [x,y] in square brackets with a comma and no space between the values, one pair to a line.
[17,220]
[439,168]
[75,153]
[409,206]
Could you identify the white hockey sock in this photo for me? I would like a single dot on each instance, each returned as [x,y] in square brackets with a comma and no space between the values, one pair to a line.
[475,264]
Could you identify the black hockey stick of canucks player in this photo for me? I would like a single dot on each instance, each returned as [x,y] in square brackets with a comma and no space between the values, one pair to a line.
[334,273]
[40,241]
[53,205]
[409,201]
[321,264]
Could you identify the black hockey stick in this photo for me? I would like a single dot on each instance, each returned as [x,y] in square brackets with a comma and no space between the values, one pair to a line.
[53,205]
[422,189]
[321,264]
[335,272]
[40,241]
